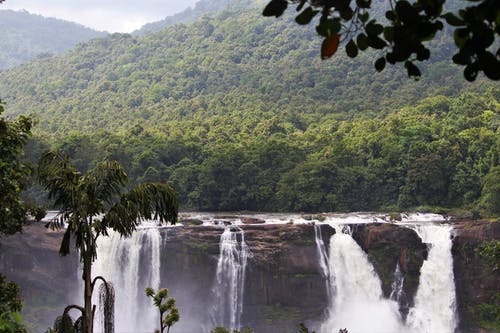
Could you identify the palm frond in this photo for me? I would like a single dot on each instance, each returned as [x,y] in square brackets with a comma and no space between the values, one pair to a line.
[107,180]
[57,175]
[144,202]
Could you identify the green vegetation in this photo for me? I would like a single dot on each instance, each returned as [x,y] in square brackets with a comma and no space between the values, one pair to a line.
[13,173]
[166,306]
[489,251]
[487,315]
[403,34]
[10,307]
[92,204]
[28,36]
[238,112]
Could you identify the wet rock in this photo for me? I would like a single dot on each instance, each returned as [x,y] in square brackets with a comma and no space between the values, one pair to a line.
[191,221]
[388,245]
[252,220]
[476,279]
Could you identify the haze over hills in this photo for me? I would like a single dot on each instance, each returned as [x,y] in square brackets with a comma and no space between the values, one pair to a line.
[202,7]
[26,36]
[237,111]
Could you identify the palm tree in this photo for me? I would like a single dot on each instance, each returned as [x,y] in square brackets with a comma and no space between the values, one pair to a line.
[92,203]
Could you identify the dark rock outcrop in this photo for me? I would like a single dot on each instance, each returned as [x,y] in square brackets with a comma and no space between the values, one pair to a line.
[386,246]
[477,281]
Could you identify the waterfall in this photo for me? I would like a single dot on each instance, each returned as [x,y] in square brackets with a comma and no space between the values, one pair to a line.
[397,292]
[230,279]
[323,258]
[131,264]
[358,303]
[435,305]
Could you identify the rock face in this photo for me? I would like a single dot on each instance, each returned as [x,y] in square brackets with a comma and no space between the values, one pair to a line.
[387,246]
[477,280]
[284,285]
[48,281]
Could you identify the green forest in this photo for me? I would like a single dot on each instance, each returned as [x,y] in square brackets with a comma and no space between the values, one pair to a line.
[238,112]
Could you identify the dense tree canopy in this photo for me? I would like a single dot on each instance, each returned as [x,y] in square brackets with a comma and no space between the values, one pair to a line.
[401,34]
[13,173]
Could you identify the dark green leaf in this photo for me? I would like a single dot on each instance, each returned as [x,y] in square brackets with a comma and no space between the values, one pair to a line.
[451,19]
[351,49]
[470,72]
[306,16]
[413,70]
[363,3]
[275,8]
[380,64]
[362,42]
[376,42]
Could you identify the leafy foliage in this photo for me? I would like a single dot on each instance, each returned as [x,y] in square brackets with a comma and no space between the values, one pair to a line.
[438,152]
[166,306]
[490,252]
[10,307]
[407,26]
[238,112]
[13,173]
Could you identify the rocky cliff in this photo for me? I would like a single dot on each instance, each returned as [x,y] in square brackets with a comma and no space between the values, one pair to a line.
[284,284]
[476,259]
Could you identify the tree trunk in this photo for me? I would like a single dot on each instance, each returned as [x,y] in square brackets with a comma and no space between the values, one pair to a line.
[88,319]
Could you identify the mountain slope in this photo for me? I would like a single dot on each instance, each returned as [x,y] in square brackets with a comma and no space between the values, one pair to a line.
[26,36]
[202,7]
[237,62]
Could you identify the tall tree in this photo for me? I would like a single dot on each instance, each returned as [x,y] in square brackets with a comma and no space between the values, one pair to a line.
[13,173]
[91,204]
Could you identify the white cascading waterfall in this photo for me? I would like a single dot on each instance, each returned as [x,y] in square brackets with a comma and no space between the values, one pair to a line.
[358,303]
[323,258]
[398,281]
[357,300]
[435,303]
[230,279]
[131,264]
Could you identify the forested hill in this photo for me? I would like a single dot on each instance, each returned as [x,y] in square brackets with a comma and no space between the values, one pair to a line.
[239,112]
[26,36]
[238,62]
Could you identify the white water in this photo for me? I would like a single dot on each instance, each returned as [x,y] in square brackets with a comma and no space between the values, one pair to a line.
[323,259]
[358,302]
[398,281]
[120,261]
[230,279]
[435,306]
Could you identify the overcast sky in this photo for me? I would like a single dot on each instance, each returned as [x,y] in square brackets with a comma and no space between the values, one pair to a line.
[108,15]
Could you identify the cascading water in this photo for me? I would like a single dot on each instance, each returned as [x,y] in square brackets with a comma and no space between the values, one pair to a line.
[131,264]
[323,258]
[230,279]
[358,303]
[435,304]
[398,294]
[398,281]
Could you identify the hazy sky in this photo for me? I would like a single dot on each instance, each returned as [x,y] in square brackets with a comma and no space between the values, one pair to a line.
[109,15]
